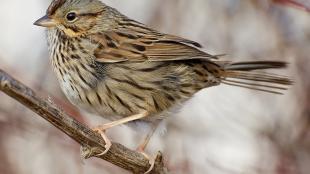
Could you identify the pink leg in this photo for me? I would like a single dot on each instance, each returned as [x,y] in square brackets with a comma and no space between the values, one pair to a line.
[102,128]
[141,148]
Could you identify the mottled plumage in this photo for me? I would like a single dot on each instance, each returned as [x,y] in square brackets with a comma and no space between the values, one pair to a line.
[116,67]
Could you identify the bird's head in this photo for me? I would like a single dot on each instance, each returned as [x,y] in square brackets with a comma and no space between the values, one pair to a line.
[78,17]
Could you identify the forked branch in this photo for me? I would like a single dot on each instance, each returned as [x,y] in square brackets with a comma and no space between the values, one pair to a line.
[91,141]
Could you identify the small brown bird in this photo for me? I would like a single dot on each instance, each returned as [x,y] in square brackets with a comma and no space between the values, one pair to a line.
[125,71]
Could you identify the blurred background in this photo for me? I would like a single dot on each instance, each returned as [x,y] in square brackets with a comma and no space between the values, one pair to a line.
[222,130]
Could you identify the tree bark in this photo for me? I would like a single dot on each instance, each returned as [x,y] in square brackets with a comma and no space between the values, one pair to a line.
[91,141]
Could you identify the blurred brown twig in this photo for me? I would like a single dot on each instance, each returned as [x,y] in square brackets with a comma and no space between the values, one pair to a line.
[91,142]
[294,4]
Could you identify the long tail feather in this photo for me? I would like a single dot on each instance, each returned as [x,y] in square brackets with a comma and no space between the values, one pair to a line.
[241,74]
[256,65]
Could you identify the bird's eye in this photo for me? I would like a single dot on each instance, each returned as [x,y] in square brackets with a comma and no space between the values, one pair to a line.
[71,16]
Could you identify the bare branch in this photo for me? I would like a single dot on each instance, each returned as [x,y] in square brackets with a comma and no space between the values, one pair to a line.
[91,141]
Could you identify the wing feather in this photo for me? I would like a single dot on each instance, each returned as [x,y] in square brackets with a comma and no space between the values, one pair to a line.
[137,43]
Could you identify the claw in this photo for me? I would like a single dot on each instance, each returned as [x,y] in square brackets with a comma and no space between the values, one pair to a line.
[106,140]
[152,163]
[151,160]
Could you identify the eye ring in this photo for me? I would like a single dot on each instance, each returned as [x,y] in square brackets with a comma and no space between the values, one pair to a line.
[71,16]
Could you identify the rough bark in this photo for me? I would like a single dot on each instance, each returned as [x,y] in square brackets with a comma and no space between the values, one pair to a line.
[91,141]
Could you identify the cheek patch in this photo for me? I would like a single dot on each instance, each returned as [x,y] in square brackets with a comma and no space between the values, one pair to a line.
[72,33]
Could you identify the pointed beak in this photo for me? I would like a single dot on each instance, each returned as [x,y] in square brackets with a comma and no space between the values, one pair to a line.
[46,21]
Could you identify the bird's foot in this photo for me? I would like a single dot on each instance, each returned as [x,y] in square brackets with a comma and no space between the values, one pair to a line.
[101,130]
[151,159]
[87,151]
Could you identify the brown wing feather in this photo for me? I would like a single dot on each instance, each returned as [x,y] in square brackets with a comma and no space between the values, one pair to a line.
[139,43]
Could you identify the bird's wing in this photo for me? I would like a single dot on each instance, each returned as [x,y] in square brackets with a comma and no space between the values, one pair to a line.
[139,43]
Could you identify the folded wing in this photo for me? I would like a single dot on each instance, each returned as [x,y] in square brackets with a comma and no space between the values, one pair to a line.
[136,42]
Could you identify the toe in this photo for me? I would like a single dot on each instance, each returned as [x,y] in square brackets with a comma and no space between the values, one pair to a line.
[151,160]
[107,141]
[152,163]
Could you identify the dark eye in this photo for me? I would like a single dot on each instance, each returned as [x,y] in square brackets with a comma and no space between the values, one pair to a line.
[71,16]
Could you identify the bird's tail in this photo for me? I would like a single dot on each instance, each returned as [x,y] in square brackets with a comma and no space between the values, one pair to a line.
[241,74]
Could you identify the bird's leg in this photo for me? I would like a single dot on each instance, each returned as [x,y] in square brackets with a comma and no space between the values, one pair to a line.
[146,140]
[102,128]
[107,141]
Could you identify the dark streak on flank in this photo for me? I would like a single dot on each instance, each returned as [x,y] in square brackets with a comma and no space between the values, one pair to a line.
[75,56]
[112,108]
[81,77]
[134,82]
[61,54]
[185,92]
[122,102]
[167,88]
[71,46]
[138,106]
[58,60]
[134,95]
[99,98]
[169,97]
[72,87]
[186,85]
[63,58]
[88,100]
[81,48]
[78,92]
[131,83]
[110,94]
[89,71]
[156,104]
[61,72]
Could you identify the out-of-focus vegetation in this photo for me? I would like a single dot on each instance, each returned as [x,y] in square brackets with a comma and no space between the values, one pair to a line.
[222,130]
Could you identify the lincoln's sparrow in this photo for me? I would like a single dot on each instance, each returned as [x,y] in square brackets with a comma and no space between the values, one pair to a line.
[125,71]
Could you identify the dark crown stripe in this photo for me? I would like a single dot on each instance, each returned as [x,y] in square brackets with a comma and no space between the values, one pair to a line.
[54,6]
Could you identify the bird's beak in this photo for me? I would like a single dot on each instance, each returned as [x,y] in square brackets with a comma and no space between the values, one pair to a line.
[46,21]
